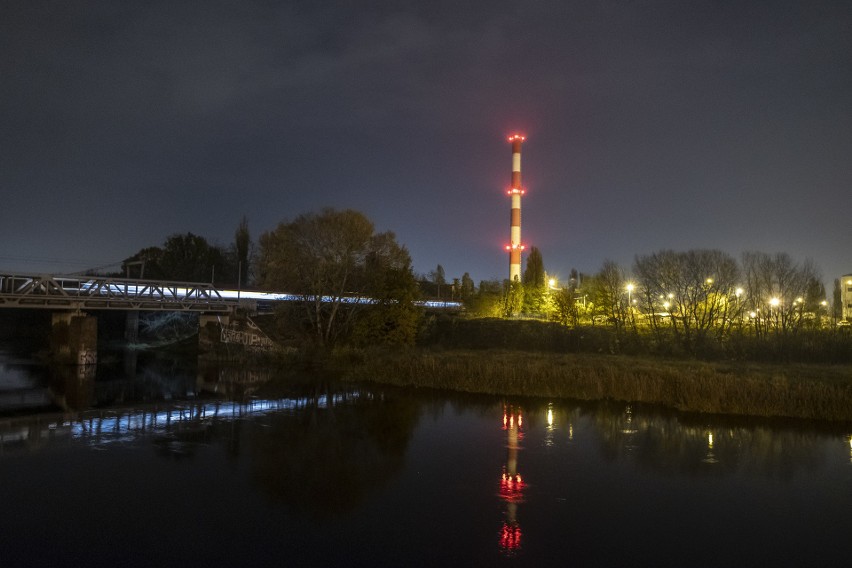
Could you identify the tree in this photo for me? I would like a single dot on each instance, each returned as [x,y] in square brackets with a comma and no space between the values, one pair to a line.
[183,257]
[697,288]
[438,278]
[467,288]
[776,288]
[148,262]
[608,293]
[534,272]
[564,307]
[191,258]
[242,251]
[334,262]
[513,298]
[535,286]
[487,301]
[392,318]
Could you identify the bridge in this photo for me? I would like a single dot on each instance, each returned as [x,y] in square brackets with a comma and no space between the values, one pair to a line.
[104,293]
[79,293]
[74,331]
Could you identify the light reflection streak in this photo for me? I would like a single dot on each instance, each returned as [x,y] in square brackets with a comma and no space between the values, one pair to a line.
[511,482]
[549,433]
[120,426]
[710,457]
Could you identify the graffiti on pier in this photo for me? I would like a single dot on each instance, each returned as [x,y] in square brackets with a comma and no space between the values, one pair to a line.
[250,336]
[87,357]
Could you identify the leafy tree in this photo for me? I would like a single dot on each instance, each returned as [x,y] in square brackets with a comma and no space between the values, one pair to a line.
[536,299]
[393,318]
[513,298]
[534,272]
[148,261]
[487,302]
[467,288]
[438,278]
[183,257]
[334,261]
[191,258]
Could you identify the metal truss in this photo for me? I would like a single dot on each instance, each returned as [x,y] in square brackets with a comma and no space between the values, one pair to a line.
[101,293]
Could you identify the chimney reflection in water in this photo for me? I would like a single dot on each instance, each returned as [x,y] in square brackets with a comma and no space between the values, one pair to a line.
[511,482]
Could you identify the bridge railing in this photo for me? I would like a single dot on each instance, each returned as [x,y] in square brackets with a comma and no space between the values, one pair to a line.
[99,292]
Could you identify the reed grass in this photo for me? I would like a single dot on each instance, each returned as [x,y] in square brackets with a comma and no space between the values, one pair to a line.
[798,391]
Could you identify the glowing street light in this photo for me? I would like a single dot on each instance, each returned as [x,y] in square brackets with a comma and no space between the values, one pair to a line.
[774,302]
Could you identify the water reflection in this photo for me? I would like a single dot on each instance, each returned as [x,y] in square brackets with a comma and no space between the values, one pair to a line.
[386,477]
[347,462]
[126,378]
[327,459]
[511,482]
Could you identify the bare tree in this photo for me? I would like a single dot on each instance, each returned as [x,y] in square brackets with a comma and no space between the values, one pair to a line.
[697,288]
[777,288]
[609,293]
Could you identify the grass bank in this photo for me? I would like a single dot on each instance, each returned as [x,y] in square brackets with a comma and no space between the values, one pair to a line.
[798,391]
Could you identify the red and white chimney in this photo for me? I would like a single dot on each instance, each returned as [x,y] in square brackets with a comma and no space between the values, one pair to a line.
[516,191]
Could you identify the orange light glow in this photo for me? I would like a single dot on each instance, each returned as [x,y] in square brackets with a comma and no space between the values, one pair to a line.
[514,137]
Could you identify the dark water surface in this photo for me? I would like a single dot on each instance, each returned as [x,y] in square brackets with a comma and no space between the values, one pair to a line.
[154,464]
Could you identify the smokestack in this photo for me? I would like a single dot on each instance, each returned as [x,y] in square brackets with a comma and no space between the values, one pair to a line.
[516,191]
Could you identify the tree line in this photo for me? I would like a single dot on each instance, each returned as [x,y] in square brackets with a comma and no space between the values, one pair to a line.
[357,286]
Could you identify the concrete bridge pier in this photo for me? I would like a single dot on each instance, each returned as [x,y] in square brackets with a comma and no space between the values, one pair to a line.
[131,326]
[74,338]
[210,332]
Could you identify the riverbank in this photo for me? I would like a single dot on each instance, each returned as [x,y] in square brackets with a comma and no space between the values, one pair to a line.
[816,392]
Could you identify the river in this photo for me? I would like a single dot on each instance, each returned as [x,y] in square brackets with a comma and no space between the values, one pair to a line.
[149,462]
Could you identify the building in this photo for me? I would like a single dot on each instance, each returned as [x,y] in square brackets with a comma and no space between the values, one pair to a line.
[846,296]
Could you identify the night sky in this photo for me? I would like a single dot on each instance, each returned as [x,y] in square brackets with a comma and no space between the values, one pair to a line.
[650,125]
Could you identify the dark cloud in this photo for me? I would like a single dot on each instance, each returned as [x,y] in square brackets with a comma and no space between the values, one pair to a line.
[651,125]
